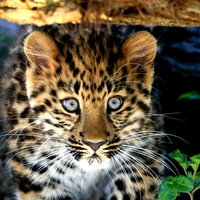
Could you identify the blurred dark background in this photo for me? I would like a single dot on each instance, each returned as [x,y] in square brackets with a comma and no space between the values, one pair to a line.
[178,69]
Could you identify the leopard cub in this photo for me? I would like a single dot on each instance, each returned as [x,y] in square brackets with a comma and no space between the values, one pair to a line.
[80,110]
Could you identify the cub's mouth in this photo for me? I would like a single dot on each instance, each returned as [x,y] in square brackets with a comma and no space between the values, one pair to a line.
[94,162]
[94,158]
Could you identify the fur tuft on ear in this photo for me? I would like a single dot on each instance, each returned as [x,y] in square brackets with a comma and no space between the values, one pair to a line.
[138,53]
[40,49]
[140,48]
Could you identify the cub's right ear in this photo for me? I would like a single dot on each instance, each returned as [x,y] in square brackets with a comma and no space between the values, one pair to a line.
[140,48]
[40,49]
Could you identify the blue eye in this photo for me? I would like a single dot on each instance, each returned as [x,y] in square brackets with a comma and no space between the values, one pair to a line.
[115,103]
[70,105]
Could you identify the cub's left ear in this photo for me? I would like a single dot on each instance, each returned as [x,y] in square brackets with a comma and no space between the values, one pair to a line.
[139,49]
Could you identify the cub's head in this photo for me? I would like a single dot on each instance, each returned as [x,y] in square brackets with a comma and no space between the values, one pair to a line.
[91,93]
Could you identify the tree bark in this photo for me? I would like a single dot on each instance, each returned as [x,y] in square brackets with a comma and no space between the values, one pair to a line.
[132,12]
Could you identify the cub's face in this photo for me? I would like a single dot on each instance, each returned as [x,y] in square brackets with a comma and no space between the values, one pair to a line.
[91,100]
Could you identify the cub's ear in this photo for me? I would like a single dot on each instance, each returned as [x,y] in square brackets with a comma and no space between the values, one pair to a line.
[139,49]
[40,49]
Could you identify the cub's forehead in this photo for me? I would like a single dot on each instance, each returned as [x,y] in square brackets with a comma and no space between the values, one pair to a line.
[93,53]
[91,64]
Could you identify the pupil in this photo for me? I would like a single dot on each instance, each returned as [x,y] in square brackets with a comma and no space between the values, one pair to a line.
[72,104]
[115,101]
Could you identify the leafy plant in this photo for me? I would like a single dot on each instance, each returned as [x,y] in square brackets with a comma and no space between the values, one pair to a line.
[171,187]
[6,40]
[189,95]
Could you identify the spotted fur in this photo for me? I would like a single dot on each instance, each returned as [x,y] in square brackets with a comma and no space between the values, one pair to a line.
[81,115]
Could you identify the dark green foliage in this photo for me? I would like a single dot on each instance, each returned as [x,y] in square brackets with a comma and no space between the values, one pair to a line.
[6,40]
[171,187]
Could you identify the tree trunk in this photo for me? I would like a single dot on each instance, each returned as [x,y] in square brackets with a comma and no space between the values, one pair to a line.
[134,12]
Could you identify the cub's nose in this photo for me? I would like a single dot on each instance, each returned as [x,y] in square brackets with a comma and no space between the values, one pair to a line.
[94,145]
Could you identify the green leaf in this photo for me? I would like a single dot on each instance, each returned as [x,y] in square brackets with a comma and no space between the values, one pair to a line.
[197,182]
[190,175]
[197,179]
[189,95]
[169,180]
[184,165]
[180,158]
[196,159]
[166,191]
[197,176]
[183,184]
[193,165]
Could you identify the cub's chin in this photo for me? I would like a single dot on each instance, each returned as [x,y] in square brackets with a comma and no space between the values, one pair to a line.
[94,163]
